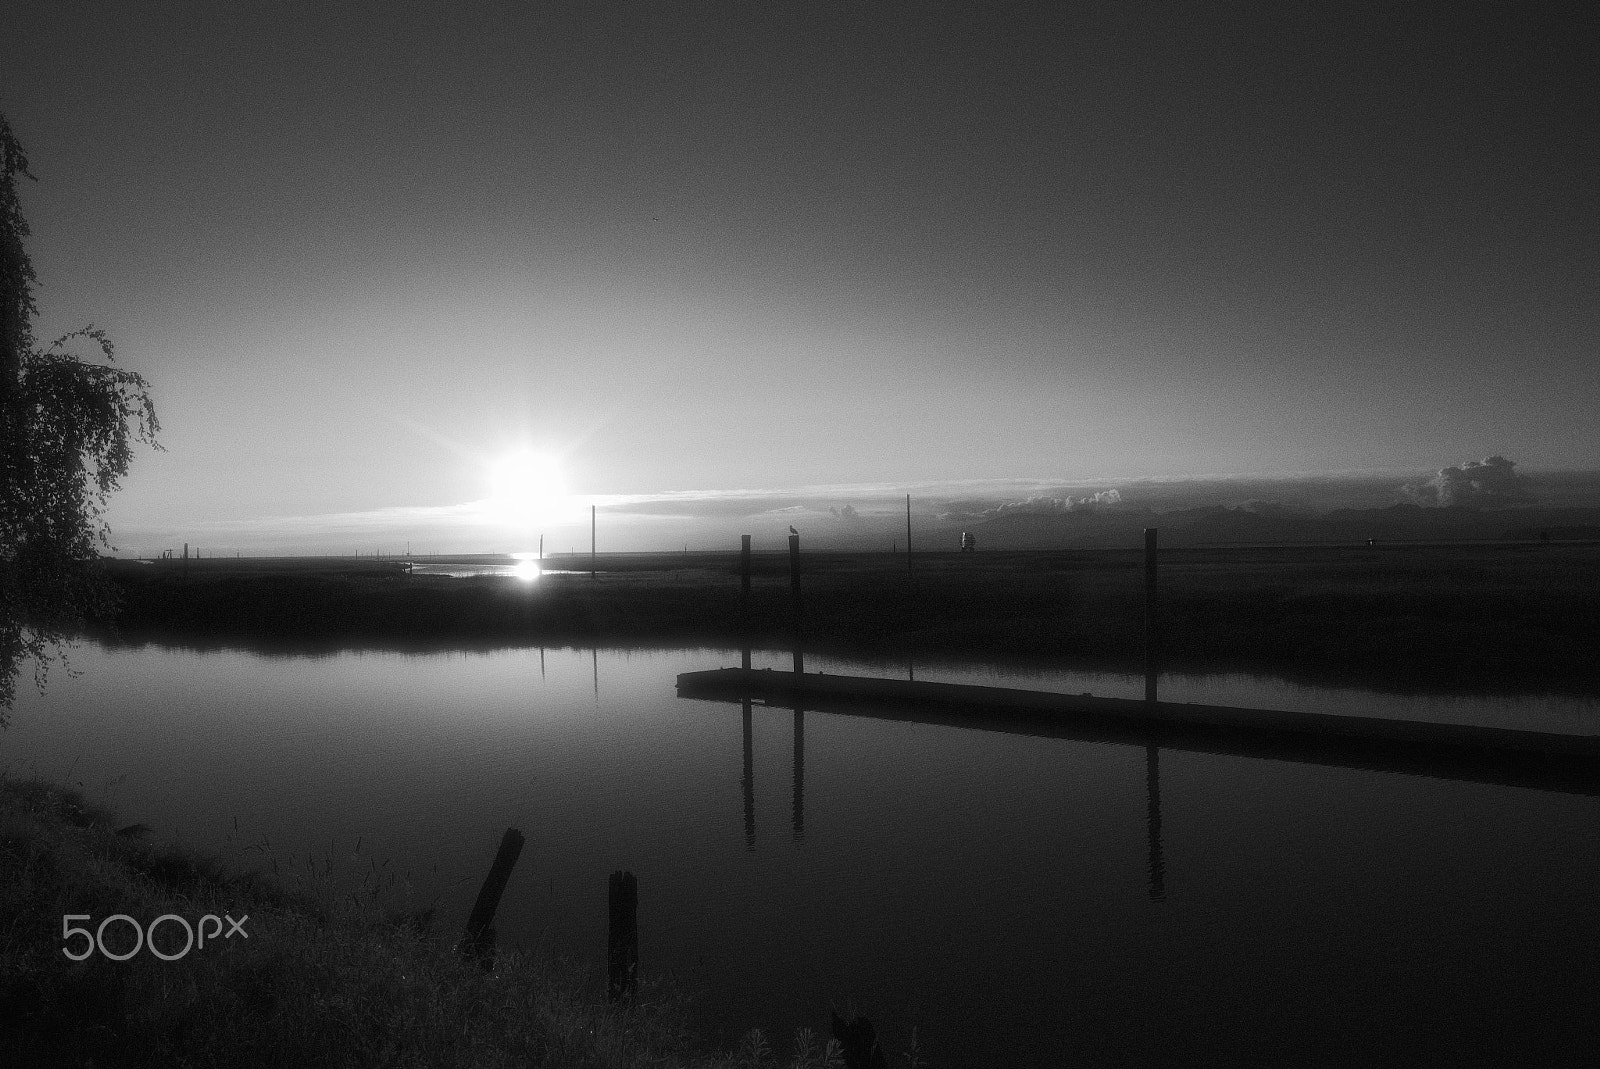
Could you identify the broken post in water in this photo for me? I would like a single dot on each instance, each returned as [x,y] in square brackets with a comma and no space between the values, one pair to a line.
[478,941]
[744,601]
[794,601]
[1152,625]
[622,949]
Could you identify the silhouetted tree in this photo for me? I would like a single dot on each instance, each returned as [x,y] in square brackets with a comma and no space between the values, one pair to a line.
[67,429]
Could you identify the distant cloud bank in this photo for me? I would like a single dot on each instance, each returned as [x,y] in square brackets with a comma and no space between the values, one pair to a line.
[1035,505]
[1487,482]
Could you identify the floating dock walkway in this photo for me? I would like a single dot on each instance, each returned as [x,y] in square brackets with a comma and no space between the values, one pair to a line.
[1509,757]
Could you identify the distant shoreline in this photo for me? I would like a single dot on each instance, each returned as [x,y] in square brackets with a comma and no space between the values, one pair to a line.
[1453,617]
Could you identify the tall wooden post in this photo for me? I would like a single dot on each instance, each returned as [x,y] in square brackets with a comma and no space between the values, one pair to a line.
[593,544]
[622,957]
[1152,624]
[744,602]
[541,547]
[794,600]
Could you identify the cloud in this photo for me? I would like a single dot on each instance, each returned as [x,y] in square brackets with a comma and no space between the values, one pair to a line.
[1035,505]
[847,513]
[1491,481]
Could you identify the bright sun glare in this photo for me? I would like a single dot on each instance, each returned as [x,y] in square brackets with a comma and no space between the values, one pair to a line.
[527,487]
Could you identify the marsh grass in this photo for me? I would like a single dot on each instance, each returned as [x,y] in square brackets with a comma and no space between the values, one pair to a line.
[326,977]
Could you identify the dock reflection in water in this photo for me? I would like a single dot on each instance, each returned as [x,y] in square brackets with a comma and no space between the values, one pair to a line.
[1157,866]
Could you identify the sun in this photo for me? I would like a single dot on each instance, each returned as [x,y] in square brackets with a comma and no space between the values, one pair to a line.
[527,486]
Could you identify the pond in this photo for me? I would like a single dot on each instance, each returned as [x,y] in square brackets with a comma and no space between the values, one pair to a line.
[1017,900]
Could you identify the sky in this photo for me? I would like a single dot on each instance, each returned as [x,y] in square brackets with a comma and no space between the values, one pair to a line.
[689,262]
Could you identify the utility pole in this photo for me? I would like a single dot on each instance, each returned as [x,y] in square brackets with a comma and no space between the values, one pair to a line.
[908,534]
[1152,622]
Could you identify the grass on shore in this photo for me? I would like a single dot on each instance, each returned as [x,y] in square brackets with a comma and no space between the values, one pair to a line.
[322,980]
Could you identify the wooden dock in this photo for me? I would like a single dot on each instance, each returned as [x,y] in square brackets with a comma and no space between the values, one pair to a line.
[1504,756]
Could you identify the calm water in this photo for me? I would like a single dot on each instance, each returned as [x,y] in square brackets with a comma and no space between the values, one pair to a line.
[1020,901]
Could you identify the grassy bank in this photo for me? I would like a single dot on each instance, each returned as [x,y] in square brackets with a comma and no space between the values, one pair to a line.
[1430,617]
[323,979]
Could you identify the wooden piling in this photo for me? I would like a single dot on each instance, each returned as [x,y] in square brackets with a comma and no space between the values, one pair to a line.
[622,950]
[744,601]
[1152,624]
[594,551]
[478,941]
[795,603]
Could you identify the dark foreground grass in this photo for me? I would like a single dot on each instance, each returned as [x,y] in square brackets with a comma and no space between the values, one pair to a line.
[322,980]
[1512,618]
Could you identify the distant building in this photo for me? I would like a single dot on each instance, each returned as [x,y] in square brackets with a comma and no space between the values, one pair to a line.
[968,542]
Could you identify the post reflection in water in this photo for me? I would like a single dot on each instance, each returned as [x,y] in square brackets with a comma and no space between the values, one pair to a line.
[1152,782]
[596,653]
[799,773]
[749,783]
[1157,868]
